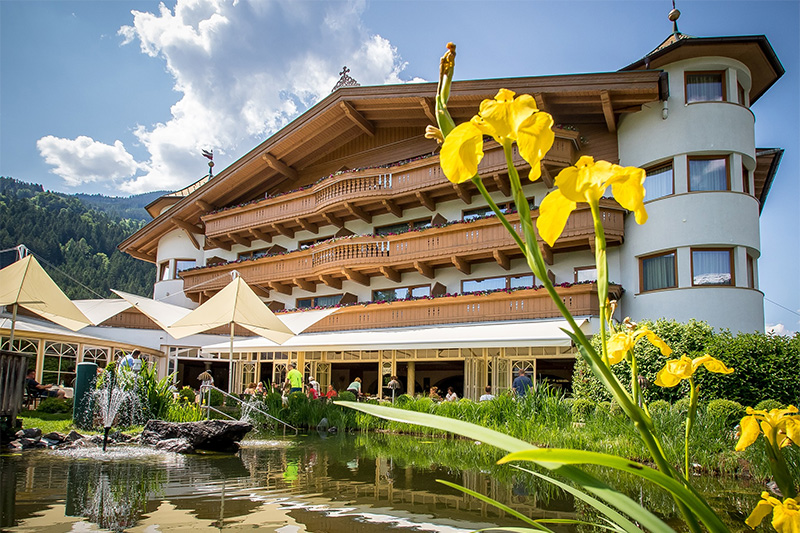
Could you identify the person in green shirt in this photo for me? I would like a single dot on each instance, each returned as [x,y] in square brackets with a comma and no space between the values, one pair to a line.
[294,379]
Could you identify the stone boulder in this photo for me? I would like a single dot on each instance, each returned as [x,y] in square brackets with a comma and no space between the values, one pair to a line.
[211,435]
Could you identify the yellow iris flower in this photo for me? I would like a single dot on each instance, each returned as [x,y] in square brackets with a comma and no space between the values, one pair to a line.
[785,515]
[677,370]
[621,343]
[781,427]
[508,120]
[587,181]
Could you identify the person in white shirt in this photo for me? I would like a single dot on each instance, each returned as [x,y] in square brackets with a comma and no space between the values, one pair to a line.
[487,394]
[451,395]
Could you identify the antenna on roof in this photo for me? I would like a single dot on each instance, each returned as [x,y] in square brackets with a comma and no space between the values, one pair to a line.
[209,154]
[674,15]
[345,80]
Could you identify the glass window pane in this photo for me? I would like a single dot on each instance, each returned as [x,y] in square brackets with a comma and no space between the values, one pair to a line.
[327,301]
[708,174]
[658,183]
[477,213]
[705,87]
[658,272]
[164,271]
[419,292]
[711,267]
[516,282]
[304,303]
[184,264]
[585,274]
[489,284]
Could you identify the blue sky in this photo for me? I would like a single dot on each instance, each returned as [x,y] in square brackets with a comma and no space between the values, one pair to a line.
[118,97]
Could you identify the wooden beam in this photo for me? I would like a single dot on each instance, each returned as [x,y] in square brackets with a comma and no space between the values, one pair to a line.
[238,239]
[502,259]
[547,178]
[138,254]
[358,212]
[608,111]
[333,220]
[392,207]
[503,184]
[551,276]
[189,234]
[540,103]
[259,290]
[429,107]
[424,268]
[216,243]
[461,264]
[547,254]
[305,284]
[358,277]
[188,226]
[279,166]
[462,193]
[330,281]
[261,235]
[307,225]
[358,119]
[280,287]
[205,206]
[286,232]
[390,273]
[426,200]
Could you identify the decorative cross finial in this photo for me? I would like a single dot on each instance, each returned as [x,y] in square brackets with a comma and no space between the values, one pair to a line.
[345,80]
[674,15]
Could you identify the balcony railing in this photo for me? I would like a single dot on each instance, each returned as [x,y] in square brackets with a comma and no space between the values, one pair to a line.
[423,175]
[527,304]
[459,244]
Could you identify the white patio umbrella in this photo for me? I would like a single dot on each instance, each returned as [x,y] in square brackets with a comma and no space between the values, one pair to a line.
[25,283]
[235,304]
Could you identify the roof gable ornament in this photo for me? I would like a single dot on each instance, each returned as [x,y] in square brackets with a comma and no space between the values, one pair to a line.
[345,80]
[674,37]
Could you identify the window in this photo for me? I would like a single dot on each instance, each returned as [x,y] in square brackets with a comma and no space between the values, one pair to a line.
[751,272]
[402,293]
[184,264]
[705,87]
[505,207]
[741,93]
[658,272]
[498,283]
[745,180]
[303,245]
[252,254]
[587,273]
[659,182]
[163,271]
[708,174]
[319,301]
[712,267]
[402,227]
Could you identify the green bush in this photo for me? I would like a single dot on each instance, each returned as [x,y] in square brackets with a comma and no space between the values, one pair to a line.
[726,411]
[769,405]
[55,405]
[616,409]
[681,407]
[581,409]
[349,396]
[403,400]
[187,394]
[217,398]
[659,406]
[182,411]
[766,367]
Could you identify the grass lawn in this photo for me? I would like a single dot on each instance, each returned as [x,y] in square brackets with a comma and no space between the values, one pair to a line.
[47,422]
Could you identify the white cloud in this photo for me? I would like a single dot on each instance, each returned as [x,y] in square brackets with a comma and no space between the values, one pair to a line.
[242,71]
[84,160]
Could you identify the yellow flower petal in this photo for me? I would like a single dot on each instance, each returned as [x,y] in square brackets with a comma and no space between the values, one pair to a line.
[571,182]
[553,215]
[656,341]
[712,365]
[618,345]
[461,152]
[763,508]
[793,430]
[629,192]
[535,137]
[666,379]
[750,431]
[505,114]
[786,517]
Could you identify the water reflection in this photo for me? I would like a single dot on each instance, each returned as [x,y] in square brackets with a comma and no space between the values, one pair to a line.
[362,483]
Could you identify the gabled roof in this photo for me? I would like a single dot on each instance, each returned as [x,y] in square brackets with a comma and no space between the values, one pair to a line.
[374,120]
[752,50]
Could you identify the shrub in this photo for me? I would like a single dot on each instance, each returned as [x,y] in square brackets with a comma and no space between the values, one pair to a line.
[55,405]
[616,409]
[726,411]
[187,394]
[659,406]
[582,408]
[769,405]
[402,400]
[217,398]
[184,412]
[681,407]
[350,397]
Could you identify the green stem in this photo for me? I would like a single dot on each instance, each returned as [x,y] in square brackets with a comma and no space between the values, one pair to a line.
[602,274]
[778,466]
[690,416]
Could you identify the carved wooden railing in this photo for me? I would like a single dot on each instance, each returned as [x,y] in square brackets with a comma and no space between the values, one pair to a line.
[419,175]
[471,241]
[528,304]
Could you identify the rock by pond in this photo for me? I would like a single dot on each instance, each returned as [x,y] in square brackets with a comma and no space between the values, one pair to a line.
[186,437]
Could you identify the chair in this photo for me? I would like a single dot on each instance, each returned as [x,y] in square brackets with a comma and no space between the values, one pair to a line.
[31,399]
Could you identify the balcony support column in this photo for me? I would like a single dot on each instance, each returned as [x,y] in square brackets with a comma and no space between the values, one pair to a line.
[412,378]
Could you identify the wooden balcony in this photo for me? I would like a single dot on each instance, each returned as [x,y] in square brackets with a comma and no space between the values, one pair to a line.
[359,258]
[528,304]
[364,194]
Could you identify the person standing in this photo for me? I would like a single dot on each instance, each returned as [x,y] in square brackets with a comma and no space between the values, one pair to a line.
[522,383]
[294,379]
[394,384]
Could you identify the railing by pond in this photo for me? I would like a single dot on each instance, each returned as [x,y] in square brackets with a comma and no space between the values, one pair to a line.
[13,368]
[206,405]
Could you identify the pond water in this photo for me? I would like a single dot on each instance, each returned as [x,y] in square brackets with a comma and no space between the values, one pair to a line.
[342,483]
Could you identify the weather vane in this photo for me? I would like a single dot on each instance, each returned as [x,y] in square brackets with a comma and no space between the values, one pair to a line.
[209,154]
[674,15]
[345,80]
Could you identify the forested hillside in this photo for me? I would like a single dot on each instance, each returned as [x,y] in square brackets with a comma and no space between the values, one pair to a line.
[121,207]
[75,243]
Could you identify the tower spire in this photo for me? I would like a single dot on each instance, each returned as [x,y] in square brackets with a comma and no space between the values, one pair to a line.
[674,15]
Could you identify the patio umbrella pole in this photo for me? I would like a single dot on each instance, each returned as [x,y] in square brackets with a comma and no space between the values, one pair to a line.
[230,365]
[13,323]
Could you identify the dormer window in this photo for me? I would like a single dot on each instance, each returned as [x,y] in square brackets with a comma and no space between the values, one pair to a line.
[705,87]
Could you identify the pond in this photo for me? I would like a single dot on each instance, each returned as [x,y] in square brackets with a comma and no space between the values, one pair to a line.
[359,483]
